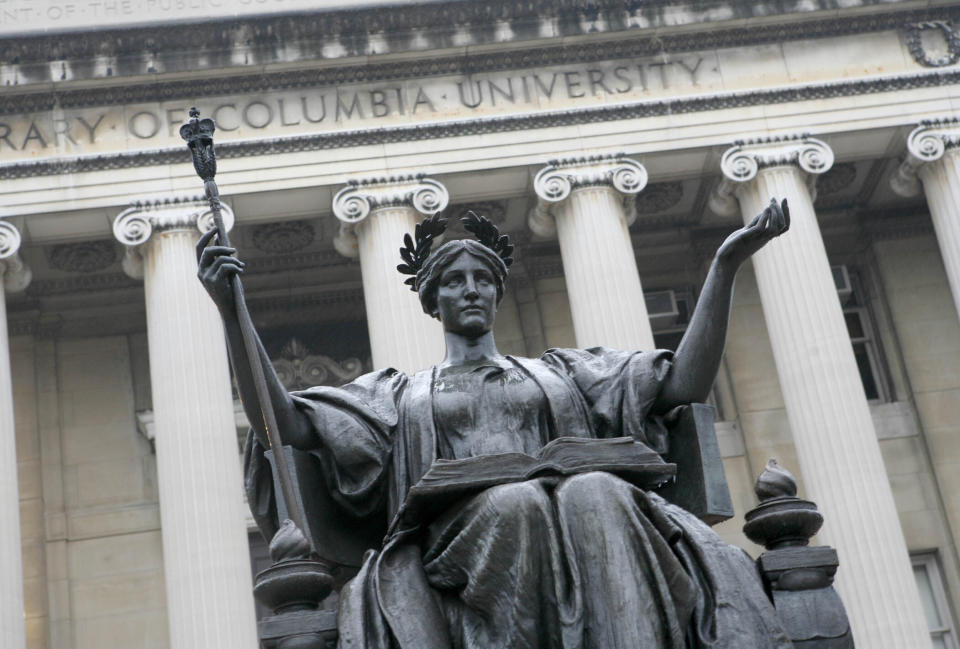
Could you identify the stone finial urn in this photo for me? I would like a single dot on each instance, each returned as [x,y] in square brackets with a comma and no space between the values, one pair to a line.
[799,577]
[781,519]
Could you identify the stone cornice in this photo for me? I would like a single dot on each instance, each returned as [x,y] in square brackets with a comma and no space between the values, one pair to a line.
[152,87]
[480,126]
[261,34]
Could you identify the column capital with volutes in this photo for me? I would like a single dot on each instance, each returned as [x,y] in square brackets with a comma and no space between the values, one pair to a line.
[15,273]
[741,163]
[554,183]
[135,225]
[353,204]
[926,144]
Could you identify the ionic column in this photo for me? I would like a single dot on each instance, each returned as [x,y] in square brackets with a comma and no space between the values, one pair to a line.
[14,276]
[933,158]
[374,216]
[588,203]
[826,406]
[205,551]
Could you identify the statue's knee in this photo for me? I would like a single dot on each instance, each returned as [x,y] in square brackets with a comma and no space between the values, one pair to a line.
[589,490]
[524,501]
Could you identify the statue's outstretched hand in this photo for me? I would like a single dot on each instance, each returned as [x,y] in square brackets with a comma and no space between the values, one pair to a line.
[216,265]
[773,221]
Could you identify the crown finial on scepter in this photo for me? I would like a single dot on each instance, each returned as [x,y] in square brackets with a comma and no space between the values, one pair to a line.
[198,134]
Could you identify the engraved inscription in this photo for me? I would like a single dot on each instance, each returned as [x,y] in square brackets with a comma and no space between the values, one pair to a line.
[327,108]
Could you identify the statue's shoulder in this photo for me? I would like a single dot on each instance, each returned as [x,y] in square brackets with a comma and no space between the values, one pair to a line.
[387,378]
[364,386]
[569,356]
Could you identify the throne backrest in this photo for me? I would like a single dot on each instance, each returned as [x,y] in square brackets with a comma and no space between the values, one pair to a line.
[701,485]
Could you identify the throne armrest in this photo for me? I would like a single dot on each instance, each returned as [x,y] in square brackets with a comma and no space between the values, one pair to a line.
[701,484]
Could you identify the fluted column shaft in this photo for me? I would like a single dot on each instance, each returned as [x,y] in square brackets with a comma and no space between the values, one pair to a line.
[933,157]
[375,216]
[206,556]
[941,184]
[589,203]
[826,406]
[12,628]
[401,334]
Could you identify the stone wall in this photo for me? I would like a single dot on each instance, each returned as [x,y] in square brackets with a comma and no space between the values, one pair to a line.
[93,561]
[925,469]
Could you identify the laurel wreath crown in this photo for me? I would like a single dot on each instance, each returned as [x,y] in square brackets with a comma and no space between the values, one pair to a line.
[416,249]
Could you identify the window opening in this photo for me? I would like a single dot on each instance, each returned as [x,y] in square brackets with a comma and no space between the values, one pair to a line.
[933,596]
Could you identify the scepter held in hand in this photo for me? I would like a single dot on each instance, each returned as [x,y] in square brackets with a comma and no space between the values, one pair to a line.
[198,134]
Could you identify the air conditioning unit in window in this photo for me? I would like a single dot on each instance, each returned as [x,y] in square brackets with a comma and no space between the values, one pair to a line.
[841,279]
[662,308]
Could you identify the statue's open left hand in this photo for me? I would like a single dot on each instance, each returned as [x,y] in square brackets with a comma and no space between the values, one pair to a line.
[768,224]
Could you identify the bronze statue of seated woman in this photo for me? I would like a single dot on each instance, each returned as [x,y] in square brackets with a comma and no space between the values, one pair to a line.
[570,550]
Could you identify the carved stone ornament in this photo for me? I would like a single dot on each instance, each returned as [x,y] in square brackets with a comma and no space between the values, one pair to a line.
[83,257]
[298,368]
[496,211]
[938,35]
[15,272]
[927,143]
[659,197]
[840,177]
[353,203]
[134,226]
[283,237]
[743,161]
[554,183]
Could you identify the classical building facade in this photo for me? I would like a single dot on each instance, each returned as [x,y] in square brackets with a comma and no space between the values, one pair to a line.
[617,143]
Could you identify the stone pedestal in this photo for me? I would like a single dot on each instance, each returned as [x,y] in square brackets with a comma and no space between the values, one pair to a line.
[374,216]
[14,276]
[826,406]
[588,204]
[933,158]
[205,550]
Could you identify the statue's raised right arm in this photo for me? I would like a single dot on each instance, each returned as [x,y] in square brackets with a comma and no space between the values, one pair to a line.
[217,265]
[698,356]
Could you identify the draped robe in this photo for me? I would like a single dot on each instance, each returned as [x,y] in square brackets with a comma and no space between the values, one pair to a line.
[656,576]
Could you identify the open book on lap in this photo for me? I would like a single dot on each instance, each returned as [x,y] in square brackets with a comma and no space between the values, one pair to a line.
[448,481]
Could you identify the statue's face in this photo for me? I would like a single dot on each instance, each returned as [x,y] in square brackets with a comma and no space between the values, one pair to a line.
[467,297]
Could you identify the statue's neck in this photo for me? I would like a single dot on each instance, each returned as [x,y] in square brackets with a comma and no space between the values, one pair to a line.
[467,350]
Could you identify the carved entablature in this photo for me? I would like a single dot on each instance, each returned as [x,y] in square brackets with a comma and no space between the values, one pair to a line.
[354,203]
[14,271]
[743,161]
[554,183]
[927,143]
[134,226]
[298,368]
